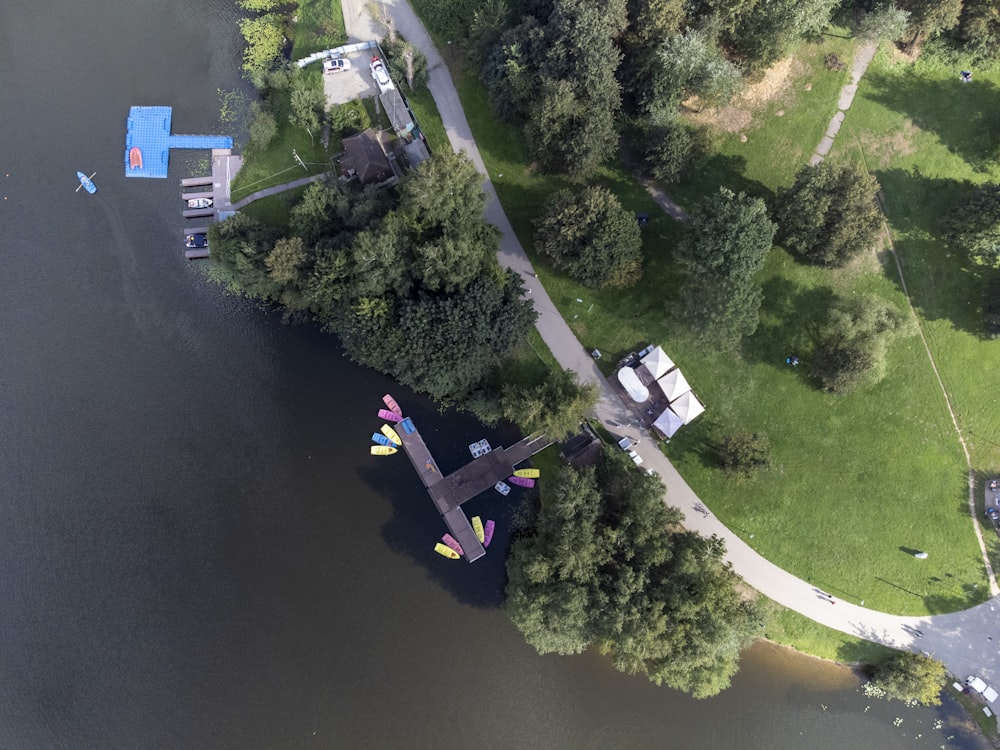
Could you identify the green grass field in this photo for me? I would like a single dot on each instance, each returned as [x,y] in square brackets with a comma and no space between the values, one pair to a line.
[859,483]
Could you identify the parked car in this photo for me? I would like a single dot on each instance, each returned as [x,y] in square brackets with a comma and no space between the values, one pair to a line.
[335,65]
[196,240]
[199,202]
[381,75]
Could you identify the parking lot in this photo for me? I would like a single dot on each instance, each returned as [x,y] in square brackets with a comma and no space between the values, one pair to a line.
[348,85]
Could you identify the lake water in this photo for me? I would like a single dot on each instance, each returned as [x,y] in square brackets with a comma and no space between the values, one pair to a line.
[196,549]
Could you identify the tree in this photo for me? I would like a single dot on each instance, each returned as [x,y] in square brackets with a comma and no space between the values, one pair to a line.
[239,248]
[607,565]
[829,215]
[442,203]
[979,27]
[669,150]
[974,226]
[928,18]
[691,64]
[286,261]
[265,37]
[592,237]
[744,454]
[258,6]
[263,128]
[991,308]
[554,407]
[910,677]
[453,342]
[407,63]
[307,105]
[884,22]
[850,347]
[727,241]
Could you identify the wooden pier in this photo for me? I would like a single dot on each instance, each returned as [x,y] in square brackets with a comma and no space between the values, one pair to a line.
[479,475]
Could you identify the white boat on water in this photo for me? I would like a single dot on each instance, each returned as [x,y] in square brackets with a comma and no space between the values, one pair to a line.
[199,203]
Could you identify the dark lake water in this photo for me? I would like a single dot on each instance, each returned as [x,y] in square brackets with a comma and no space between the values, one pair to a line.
[196,550]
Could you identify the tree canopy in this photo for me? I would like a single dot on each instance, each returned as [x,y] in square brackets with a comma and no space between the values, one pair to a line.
[554,407]
[408,279]
[829,215]
[592,237]
[850,347]
[974,225]
[727,241]
[910,677]
[607,566]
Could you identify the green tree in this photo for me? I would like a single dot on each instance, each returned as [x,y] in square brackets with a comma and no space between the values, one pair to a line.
[453,342]
[974,225]
[727,241]
[239,246]
[991,308]
[829,215]
[979,27]
[691,64]
[910,677]
[286,261]
[608,566]
[744,454]
[884,22]
[928,18]
[554,407]
[669,150]
[850,347]
[307,105]
[258,6]
[265,37]
[592,237]
[407,63]
[263,128]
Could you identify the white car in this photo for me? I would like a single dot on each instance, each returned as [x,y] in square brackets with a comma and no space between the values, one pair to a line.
[335,65]
[381,75]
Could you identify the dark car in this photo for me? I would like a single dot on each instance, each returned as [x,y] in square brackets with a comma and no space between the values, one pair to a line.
[196,240]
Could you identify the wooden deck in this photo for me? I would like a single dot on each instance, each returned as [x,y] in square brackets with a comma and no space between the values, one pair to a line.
[479,475]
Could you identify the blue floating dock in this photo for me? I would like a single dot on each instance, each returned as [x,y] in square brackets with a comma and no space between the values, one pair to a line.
[149,130]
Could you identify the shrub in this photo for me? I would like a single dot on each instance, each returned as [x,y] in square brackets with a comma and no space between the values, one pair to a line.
[744,454]
[910,678]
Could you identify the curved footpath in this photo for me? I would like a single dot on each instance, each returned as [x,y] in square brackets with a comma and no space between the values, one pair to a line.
[962,640]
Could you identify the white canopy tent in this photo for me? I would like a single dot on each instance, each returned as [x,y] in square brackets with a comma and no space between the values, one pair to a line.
[668,423]
[687,407]
[630,382]
[674,384]
[657,363]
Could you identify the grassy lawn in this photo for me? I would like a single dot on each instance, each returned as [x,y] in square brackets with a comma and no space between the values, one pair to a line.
[806,98]
[859,483]
[319,26]
[792,629]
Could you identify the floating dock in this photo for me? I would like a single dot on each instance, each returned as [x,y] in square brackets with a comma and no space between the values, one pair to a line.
[479,475]
[148,128]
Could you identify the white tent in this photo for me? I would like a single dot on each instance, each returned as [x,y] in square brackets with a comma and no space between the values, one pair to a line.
[674,384]
[687,407]
[630,382]
[657,363]
[668,423]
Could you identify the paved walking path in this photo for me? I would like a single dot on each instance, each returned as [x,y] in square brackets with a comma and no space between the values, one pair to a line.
[962,640]
[862,58]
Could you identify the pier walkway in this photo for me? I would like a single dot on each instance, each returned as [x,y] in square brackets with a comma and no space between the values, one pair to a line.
[479,475]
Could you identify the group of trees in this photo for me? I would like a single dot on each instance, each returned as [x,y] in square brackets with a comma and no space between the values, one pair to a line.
[408,279]
[265,38]
[607,565]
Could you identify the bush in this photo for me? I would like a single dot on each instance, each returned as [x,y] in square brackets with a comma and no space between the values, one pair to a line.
[406,63]
[974,226]
[744,454]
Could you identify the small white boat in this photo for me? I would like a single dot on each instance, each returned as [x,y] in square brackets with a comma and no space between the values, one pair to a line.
[502,487]
[199,203]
